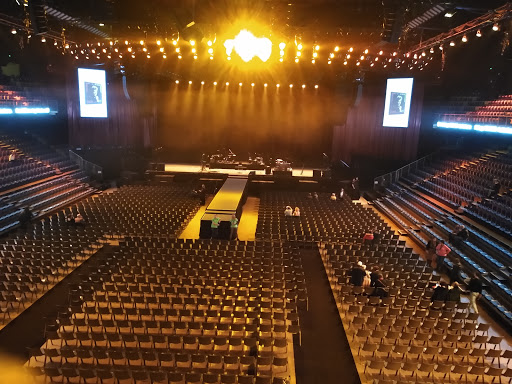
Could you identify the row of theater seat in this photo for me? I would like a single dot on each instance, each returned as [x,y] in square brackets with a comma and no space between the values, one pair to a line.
[406,332]
[478,253]
[34,260]
[128,314]
[320,220]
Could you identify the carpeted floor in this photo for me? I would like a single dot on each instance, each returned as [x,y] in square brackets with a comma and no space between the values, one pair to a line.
[325,355]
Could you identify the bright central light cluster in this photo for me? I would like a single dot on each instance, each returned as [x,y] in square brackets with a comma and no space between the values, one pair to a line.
[247,46]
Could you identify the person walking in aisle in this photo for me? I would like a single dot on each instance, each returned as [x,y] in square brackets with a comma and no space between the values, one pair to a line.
[475,287]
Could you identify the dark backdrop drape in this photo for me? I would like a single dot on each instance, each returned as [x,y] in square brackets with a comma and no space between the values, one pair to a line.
[131,123]
[283,122]
[364,135]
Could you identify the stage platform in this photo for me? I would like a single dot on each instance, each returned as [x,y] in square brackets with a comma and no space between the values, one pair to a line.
[227,202]
[196,168]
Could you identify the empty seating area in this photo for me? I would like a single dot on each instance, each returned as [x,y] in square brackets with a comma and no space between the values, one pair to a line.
[38,178]
[34,260]
[468,180]
[320,220]
[405,337]
[492,111]
[423,220]
[173,311]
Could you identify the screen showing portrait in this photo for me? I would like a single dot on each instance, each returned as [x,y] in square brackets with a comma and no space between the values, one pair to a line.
[92,88]
[398,102]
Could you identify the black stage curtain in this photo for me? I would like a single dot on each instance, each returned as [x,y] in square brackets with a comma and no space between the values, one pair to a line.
[131,123]
[364,135]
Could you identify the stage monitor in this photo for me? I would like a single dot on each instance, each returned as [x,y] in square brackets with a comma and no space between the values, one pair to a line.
[92,88]
[398,103]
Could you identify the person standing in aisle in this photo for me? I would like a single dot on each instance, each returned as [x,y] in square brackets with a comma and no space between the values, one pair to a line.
[215,226]
[234,227]
[475,291]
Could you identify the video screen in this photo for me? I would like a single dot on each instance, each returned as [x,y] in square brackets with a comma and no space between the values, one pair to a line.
[398,102]
[92,88]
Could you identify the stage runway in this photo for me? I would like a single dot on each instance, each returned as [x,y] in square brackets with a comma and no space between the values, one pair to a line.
[196,168]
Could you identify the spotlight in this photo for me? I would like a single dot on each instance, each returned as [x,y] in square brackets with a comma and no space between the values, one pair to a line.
[101,24]
[145,49]
[281,52]
[202,82]
[381,52]
[192,42]
[179,57]
[158,42]
[299,47]
[317,48]
[162,49]
[431,50]
[210,51]
[366,51]
[126,42]
[464,38]
[362,57]
[315,54]
[14,31]
[177,81]
[265,85]
[313,61]
[296,60]
[329,62]
[478,33]
[209,43]
[193,50]
[336,49]
[291,85]
[448,14]
[177,50]
[211,57]
[43,40]
[174,42]
[142,42]
[358,63]
[316,86]
[282,46]
[303,85]
[331,55]
[278,85]
[229,57]
[452,43]
[214,83]
[299,53]
[495,27]
[195,57]
[344,63]
[252,84]
[240,84]
[348,56]
[190,82]
[281,60]
[165,56]
[227,84]
[351,49]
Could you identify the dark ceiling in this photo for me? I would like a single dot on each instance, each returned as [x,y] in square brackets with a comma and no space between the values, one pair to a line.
[354,21]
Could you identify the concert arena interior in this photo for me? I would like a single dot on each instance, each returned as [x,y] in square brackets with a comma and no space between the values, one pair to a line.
[255,191]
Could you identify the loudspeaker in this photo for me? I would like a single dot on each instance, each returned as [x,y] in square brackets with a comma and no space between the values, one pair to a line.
[317,173]
[268,170]
[38,16]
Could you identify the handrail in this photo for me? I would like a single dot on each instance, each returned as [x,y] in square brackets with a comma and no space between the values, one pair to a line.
[387,179]
[89,168]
